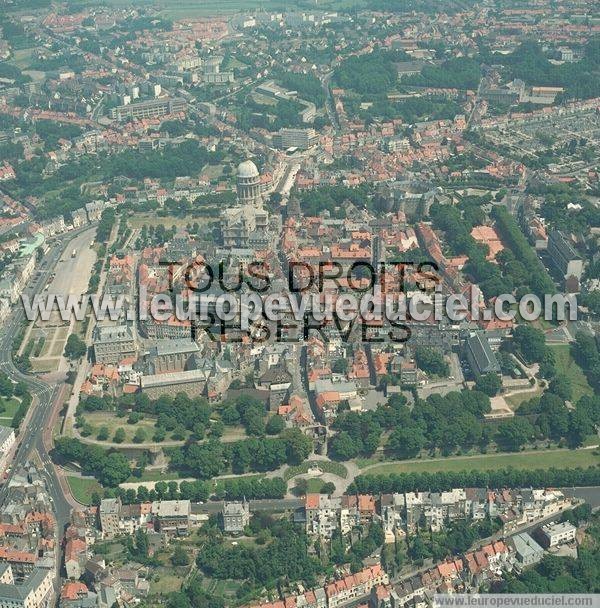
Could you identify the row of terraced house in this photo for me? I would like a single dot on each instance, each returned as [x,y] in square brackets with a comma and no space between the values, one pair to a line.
[406,513]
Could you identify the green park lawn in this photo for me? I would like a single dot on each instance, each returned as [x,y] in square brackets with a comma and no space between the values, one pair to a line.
[8,408]
[83,489]
[113,422]
[542,459]
[565,364]
[516,400]
[148,423]
[167,583]
[315,485]
[219,484]
[155,475]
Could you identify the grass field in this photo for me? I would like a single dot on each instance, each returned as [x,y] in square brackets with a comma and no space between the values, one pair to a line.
[148,423]
[83,489]
[222,588]
[22,58]
[516,400]
[542,459]
[113,422]
[315,486]
[566,365]
[363,463]
[166,583]
[181,9]
[9,407]
[218,484]
[334,468]
[155,475]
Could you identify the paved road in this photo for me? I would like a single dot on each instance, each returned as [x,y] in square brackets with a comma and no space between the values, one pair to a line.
[590,494]
[45,396]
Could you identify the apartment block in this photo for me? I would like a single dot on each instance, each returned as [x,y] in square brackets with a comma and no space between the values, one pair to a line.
[34,591]
[563,255]
[110,514]
[554,534]
[149,109]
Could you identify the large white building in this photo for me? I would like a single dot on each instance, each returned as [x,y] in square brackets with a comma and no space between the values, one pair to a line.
[248,184]
[554,534]
[7,440]
[35,591]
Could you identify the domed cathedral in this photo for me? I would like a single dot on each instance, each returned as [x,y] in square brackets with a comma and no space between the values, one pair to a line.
[248,185]
[246,224]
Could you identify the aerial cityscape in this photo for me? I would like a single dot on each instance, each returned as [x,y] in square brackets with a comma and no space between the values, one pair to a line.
[299,303]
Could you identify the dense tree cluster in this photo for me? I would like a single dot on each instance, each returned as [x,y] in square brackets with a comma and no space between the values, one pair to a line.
[11,151]
[332,199]
[371,73]
[530,343]
[252,488]
[138,548]
[12,72]
[587,356]
[18,390]
[173,413]
[110,467]
[105,225]
[75,347]
[457,228]
[538,279]
[455,73]
[591,299]
[517,268]
[285,558]
[529,63]
[501,478]
[514,433]
[431,361]
[246,410]
[490,384]
[439,422]
[424,6]
[50,132]
[343,551]
[409,110]
[186,159]
[556,198]
[194,595]
[308,86]
[446,422]
[456,538]
[7,388]
[155,236]
[284,113]
[207,460]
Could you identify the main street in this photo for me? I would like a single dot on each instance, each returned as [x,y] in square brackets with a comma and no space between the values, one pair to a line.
[45,396]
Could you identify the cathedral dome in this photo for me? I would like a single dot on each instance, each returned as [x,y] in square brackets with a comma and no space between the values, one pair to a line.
[247,169]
